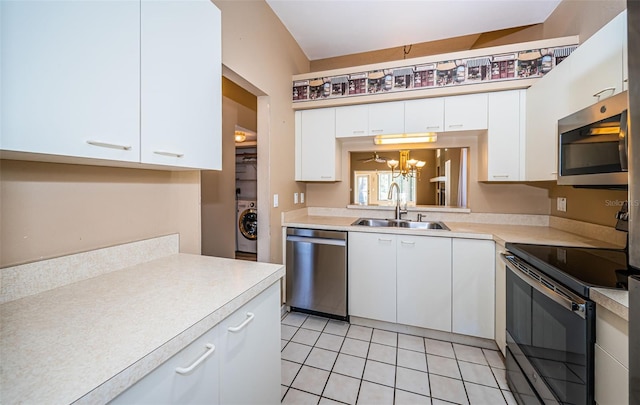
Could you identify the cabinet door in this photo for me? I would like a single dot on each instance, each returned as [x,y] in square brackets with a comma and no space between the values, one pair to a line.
[317,153]
[596,65]
[250,355]
[165,385]
[424,282]
[181,84]
[611,379]
[464,113]
[352,121]
[505,136]
[546,103]
[426,115]
[501,301]
[372,276]
[473,287]
[71,78]
[386,118]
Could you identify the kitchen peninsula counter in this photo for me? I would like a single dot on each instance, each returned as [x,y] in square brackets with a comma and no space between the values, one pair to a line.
[90,340]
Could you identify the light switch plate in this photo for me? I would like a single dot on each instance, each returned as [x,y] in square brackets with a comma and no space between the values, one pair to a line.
[562,204]
[275,201]
[295,198]
[301,198]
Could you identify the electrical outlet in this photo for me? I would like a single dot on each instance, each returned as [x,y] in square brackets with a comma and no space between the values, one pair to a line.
[301,198]
[295,198]
[562,204]
[275,201]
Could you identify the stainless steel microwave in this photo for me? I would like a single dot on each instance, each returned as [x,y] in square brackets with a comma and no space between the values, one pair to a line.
[593,145]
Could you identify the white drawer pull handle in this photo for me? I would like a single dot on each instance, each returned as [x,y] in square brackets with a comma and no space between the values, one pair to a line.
[384,240]
[506,176]
[250,316]
[210,349]
[358,132]
[109,145]
[433,127]
[598,94]
[375,131]
[456,125]
[404,242]
[170,154]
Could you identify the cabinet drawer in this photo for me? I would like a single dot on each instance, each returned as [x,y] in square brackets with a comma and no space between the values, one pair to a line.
[165,385]
[611,379]
[612,334]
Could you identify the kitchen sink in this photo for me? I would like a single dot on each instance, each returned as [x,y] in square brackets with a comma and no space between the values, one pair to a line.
[399,223]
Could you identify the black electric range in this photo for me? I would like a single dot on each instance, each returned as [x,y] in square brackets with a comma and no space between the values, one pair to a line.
[577,268]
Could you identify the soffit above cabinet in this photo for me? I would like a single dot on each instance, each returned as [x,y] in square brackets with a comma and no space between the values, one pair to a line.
[506,67]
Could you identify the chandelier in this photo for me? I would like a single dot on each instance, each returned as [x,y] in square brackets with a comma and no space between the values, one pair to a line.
[405,167]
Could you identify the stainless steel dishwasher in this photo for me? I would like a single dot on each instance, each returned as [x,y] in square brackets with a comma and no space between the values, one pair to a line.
[317,271]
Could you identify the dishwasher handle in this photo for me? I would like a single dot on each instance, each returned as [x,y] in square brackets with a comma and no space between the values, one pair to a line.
[317,241]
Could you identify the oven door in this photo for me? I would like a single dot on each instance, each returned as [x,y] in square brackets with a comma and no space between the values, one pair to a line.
[550,335]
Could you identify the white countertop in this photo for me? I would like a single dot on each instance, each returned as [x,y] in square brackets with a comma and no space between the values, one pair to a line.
[498,232]
[90,340]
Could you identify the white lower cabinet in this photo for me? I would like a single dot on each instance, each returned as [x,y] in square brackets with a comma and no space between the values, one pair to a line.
[250,361]
[501,301]
[474,287]
[401,278]
[424,282]
[372,276]
[439,283]
[165,385]
[611,358]
[235,362]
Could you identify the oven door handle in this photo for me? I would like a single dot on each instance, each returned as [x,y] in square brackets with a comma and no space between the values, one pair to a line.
[577,308]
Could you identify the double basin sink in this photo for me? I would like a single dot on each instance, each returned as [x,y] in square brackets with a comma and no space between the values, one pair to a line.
[399,223]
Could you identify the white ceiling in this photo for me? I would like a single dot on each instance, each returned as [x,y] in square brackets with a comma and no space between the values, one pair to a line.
[328,28]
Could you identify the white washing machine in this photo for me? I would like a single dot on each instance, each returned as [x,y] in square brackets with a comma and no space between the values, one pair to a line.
[247,231]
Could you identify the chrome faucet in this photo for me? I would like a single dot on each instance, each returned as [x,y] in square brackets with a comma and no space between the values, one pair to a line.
[399,211]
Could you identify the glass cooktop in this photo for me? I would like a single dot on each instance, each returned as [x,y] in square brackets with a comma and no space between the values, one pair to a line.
[577,267]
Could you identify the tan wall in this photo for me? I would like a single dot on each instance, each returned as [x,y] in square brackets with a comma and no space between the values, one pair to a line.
[572,17]
[218,187]
[497,198]
[50,210]
[258,48]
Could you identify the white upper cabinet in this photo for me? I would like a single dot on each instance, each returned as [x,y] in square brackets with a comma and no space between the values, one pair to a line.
[574,84]
[352,121]
[597,65]
[121,81]
[465,113]
[502,148]
[425,115]
[317,151]
[386,118]
[71,78]
[181,109]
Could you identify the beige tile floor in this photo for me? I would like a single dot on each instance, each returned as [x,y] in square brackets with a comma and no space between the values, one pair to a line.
[331,362]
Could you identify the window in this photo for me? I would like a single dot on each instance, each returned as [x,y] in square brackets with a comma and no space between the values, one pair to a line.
[372,188]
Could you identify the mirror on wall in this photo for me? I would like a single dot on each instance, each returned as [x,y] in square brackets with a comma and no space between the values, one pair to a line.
[442,181]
